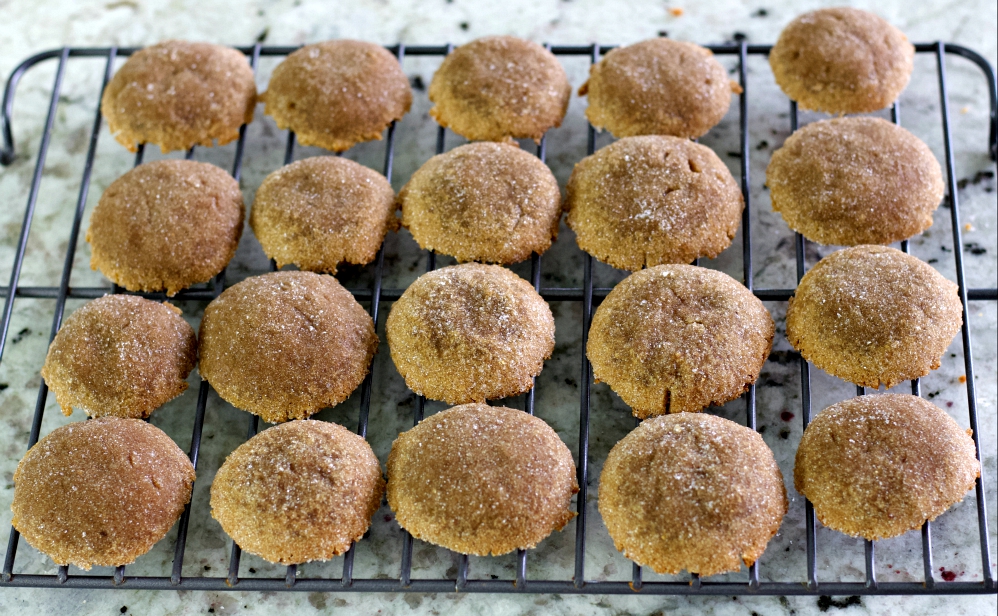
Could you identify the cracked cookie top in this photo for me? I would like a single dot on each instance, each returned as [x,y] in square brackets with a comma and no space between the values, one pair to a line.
[850,181]
[166,225]
[644,201]
[481,480]
[120,355]
[676,338]
[337,93]
[100,492]
[488,202]
[285,345]
[297,492]
[177,94]
[470,333]
[695,492]
[658,87]
[873,315]
[842,60]
[500,87]
[321,211]
[880,465]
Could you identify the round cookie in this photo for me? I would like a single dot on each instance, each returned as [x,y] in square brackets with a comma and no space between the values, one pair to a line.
[321,211]
[878,466]
[285,345]
[298,492]
[470,333]
[850,181]
[484,201]
[644,201]
[679,338]
[842,60]
[694,492]
[120,355]
[481,480]
[166,225]
[500,87]
[100,492]
[178,94]
[658,87]
[337,93]
[873,315]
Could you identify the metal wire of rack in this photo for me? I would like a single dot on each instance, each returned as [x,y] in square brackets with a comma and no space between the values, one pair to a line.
[588,295]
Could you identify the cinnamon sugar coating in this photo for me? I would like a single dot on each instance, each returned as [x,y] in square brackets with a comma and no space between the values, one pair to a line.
[842,60]
[488,202]
[850,181]
[644,201]
[298,492]
[873,315]
[285,345]
[470,333]
[481,480]
[166,225]
[335,94]
[321,211]
[658,87]
[178,94]
[880,465]
[100,492]
[692,491]
[120,355]
[679,338]
[497,88]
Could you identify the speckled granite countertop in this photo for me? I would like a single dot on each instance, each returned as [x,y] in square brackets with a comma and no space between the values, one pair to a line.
[33,27]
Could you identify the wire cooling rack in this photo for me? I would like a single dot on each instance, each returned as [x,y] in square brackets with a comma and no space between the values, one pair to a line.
[588,295]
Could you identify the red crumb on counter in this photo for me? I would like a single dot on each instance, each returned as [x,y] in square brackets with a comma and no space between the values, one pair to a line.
[947,575]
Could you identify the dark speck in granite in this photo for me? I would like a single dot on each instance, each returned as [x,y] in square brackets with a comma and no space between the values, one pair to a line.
[825,602]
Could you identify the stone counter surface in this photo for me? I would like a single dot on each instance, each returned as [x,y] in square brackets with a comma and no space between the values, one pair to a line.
[29,27]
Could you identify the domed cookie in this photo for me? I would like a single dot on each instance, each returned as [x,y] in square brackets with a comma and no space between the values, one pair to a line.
[166,225]
[285,345]
[318,212]
[658,87]
[470,333]
[120,355]
[483,202]
[878,466]
[842,60]
[873,315]
[694,492]
[298,492]
[678,338]
[500,87]
[338,93]
[100,492]
[178,94]
[643,201]
[850,181]
[481,480]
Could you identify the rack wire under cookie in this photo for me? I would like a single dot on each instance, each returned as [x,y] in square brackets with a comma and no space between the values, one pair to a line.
[807,583]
